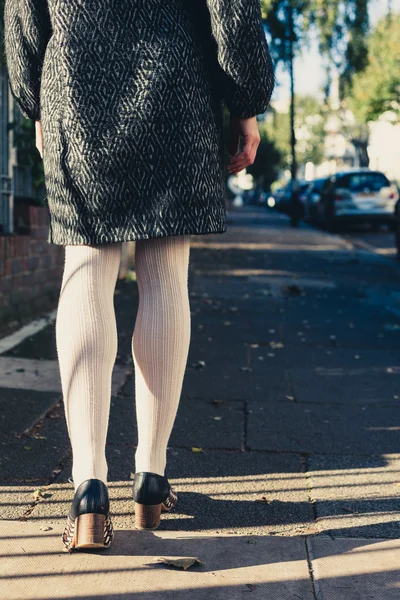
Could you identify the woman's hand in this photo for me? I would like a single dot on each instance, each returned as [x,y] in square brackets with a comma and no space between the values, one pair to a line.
[248,130]
[39,137]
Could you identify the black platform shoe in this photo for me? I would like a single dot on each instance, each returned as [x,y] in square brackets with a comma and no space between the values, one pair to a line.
[152,494]
[89,523]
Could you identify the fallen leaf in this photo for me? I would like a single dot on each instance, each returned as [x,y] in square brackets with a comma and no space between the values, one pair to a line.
[251,586]
[37,494]
[45,528]
[199,364]
[275,345]
[263,500]
[216,401]
[132,475]
[291,290]
[27,447]
[180,562]
[194,449]
[216,418]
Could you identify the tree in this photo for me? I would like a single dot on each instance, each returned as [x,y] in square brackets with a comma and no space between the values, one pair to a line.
[265,168]
[377,88]
[342,26]
[310,120]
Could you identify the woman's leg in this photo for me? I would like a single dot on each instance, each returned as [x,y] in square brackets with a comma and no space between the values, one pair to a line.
[86,337]
[160,343]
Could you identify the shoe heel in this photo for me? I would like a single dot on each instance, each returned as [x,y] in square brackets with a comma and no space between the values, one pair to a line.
[147,516]
[89,531]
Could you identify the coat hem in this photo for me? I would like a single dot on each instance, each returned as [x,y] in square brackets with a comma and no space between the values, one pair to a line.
[60,240]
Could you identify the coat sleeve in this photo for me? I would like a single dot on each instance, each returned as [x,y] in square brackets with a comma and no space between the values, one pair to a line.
[243,55]
[27,30]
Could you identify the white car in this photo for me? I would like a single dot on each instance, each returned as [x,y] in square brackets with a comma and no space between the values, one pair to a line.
[358,196]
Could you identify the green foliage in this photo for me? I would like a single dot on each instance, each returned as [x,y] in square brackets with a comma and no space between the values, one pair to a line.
[377,89]
[265,168]
[310,123]
[342,26]
[27,153]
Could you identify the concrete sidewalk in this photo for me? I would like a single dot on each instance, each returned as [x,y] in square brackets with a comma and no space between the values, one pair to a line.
[285,452]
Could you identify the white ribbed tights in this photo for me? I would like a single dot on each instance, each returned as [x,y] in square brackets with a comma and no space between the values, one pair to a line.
[86,337]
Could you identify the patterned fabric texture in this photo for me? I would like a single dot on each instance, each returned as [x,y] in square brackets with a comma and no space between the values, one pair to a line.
[130,96]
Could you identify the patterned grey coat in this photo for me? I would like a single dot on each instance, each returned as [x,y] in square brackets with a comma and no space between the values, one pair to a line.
[130,95]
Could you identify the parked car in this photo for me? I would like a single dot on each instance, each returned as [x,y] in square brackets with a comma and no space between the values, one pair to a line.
[357,196]
[312,197]
[284,200]
[397,228]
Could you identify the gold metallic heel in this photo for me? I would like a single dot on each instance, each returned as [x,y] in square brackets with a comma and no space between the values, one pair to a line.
[147,516]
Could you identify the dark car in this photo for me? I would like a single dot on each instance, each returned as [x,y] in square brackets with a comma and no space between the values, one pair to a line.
[397,228]
[312,197]
[357,196]
[284,201]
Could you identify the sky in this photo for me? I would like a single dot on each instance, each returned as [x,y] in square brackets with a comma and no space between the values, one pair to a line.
[309,74]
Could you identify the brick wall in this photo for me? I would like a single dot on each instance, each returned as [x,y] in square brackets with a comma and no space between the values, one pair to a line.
[30,270]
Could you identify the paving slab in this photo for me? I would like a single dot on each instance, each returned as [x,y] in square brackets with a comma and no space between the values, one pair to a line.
[314,375]
[356,496]
[43,375]
[20,409]
[209,382]
[212,382]
[42,345]
[218,491]
[16,498]
[274,384]
[316,428]
[35,456]
[358,568]
[351,385]
[338,323]
[33,567]
[198,423]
